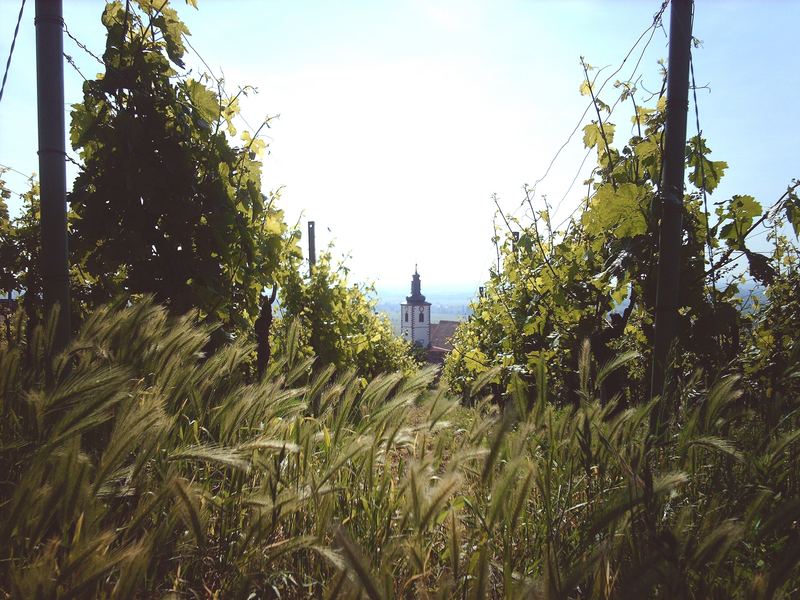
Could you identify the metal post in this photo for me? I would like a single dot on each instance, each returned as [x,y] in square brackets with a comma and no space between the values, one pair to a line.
[52,164]
[312,245]
[671,195]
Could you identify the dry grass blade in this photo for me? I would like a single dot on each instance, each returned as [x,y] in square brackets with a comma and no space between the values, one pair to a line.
[188,507]
[227,457]
[715,546]
[270,444]
[719,397]
[437,497]
[619,361]
[483,380]
[717,444]
[623,501]
[357,564]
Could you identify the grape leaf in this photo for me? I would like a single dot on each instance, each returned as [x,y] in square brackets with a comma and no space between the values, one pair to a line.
[793,213]
[703,172]
[619,212]
[204,100]
[593,134]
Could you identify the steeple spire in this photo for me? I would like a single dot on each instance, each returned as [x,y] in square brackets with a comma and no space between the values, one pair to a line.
[416,296]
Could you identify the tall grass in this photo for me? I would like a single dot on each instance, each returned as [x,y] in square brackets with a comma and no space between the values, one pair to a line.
[133,466]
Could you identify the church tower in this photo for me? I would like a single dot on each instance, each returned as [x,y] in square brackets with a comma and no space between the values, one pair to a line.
[415,315]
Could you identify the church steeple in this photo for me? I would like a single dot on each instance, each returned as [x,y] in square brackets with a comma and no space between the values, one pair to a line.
[416,296]
[415,315]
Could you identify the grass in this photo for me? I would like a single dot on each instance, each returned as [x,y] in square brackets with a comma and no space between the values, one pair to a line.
[135,467]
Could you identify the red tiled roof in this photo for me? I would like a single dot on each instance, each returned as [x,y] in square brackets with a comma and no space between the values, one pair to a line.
[441,334]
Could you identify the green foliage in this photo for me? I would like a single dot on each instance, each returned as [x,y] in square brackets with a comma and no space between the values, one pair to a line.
[5,194]
[792,208]
[595,278]
[7,250]
[738,216]
[19,250]
[144,470]
[703,173]
[771,344]
[338,323]
[619,211]
[165,205]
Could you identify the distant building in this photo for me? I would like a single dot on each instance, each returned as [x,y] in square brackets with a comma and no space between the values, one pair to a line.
[416,326]
[415,315]
[441,340]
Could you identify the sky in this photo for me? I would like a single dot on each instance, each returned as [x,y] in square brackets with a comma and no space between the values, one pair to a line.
[399,121]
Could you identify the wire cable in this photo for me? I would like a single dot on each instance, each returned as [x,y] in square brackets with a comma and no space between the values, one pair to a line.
[11,50]
[216,79]
[650,29]
[530,191]
[81,45]
[17,171]
[701,159]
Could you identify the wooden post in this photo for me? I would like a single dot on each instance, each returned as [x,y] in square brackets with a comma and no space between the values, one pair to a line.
[671,198]
[312,246]
[52,164]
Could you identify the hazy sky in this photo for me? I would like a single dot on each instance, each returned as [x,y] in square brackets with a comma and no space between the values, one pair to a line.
[399,120]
